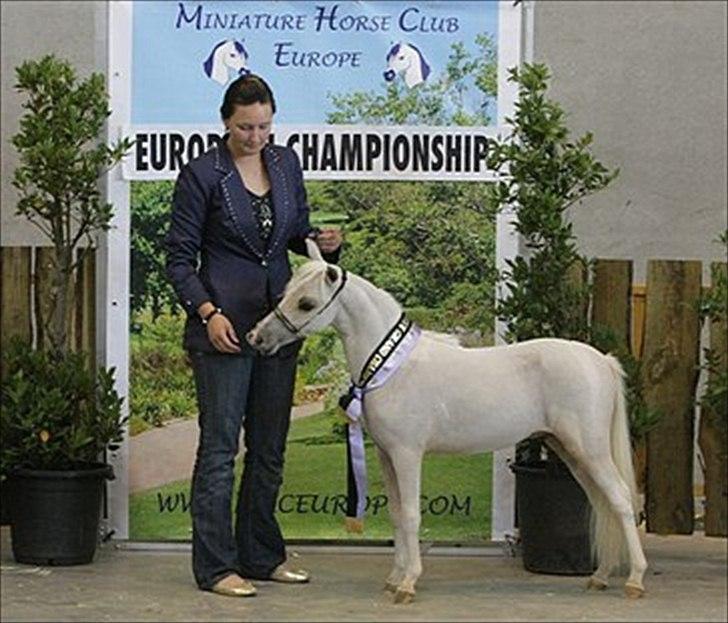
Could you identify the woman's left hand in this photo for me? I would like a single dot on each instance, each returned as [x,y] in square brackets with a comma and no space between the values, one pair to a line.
[328,240]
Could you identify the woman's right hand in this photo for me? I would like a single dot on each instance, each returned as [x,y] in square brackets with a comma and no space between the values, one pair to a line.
[222,334]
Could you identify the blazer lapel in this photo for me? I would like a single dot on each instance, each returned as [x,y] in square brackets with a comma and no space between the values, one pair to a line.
[281,193]
[237,202]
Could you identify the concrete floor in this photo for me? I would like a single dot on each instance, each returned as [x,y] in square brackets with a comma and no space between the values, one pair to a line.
[686,581]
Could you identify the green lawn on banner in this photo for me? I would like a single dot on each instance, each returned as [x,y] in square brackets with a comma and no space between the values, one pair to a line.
[455,501]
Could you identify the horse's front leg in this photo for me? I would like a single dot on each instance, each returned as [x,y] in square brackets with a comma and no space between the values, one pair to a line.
[390,484]
[407,466]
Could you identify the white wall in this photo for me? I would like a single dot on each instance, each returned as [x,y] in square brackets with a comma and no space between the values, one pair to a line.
[649,79]
[75,31]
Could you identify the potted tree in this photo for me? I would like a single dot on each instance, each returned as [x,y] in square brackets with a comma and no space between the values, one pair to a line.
[547,295]
[59,415]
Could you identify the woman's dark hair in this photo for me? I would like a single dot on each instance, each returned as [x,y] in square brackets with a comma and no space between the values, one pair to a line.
[246,90]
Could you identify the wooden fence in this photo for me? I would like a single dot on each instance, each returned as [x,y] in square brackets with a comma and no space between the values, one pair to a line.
[26,278]
[659,321]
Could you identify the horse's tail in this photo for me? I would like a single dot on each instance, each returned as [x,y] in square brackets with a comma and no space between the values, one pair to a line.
[608,543]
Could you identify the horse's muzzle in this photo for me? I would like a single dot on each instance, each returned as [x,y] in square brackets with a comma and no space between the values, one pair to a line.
[254,340]
[259,343]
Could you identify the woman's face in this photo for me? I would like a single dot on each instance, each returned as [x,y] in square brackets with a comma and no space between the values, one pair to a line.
[249,128]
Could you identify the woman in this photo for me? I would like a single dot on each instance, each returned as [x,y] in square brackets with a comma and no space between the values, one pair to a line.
[236,210]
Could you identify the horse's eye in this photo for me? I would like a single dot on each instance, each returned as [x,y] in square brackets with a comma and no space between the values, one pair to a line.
[306,305]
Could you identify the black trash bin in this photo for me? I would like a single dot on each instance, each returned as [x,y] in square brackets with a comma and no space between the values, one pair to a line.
[553,519]
[56,515]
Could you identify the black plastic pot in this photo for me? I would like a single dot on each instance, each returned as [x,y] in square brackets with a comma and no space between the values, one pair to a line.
[56,514]
[6,500]
[553,519]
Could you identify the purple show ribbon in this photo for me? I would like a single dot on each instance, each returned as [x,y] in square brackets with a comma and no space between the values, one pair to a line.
[356,407]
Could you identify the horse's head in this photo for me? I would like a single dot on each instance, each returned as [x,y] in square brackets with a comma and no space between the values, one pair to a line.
[397,61]
[406,59]
[308,305]
[236,56]
[228,54]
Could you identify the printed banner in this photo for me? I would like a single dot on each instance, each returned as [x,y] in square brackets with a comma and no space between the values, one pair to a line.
[336,69]
[330,151]
[376,91]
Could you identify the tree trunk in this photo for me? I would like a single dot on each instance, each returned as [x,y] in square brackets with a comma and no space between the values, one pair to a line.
[61,299]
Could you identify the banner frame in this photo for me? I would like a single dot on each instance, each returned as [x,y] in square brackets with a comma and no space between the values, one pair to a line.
[113,254]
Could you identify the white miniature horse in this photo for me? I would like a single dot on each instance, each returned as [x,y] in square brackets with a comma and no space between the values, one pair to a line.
[445,398]
[406,59]
[225,56]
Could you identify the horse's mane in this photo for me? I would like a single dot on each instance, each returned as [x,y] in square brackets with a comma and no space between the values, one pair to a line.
[210,59]
[424,65]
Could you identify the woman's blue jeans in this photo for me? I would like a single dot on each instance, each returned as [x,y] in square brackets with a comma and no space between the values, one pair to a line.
[255,392]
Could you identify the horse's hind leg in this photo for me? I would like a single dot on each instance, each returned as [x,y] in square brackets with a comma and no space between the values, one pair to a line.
[615,491]
[390,484]
[599,580]
[407,465]
[613,505]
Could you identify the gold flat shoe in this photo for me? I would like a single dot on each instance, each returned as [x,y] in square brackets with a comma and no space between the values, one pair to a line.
[289,576]
[238,587]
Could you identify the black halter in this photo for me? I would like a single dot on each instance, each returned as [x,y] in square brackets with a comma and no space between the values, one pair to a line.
[291,327]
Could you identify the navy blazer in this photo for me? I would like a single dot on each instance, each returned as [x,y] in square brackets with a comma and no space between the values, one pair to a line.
[214,250]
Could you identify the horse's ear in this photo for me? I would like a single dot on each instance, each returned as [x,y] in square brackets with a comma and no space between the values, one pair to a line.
[313,251]
[394,50]
[331,274]
[241,49]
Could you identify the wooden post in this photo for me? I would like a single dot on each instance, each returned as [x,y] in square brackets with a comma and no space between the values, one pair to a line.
[41,293]
[85,304]
[638,319]
[577,276]
[713,432]
[612,308]
[612,305]
[670,368]
[15,294]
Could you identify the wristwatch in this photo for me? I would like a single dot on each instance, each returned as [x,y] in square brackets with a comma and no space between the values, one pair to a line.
[206,319]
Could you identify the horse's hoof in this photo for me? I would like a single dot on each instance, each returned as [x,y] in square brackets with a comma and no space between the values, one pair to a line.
[633,591]
[595,584]
[390,587]
[403,597]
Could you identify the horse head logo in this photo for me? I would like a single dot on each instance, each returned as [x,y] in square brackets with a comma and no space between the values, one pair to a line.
[225,56]
[406,60]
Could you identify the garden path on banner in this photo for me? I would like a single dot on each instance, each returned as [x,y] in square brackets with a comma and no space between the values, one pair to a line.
[167,454]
